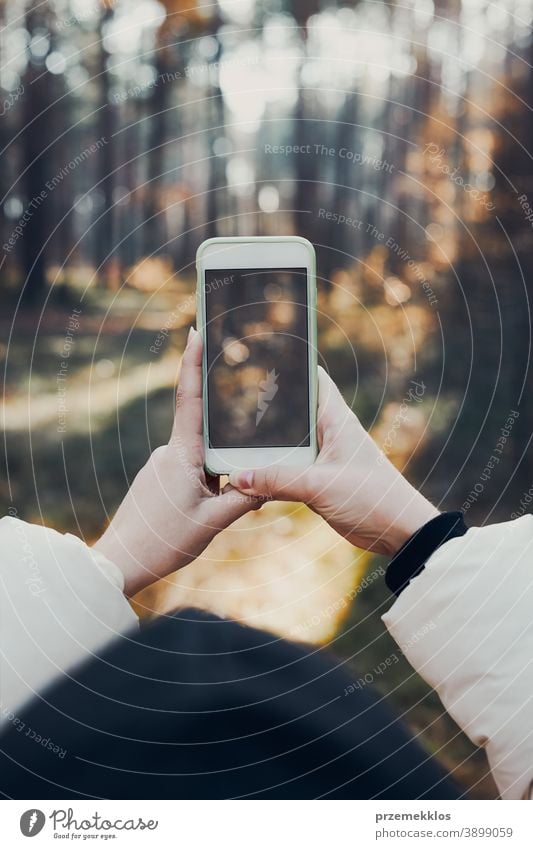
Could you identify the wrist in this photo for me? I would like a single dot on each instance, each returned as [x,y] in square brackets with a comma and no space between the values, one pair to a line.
[119,551]
[416,511]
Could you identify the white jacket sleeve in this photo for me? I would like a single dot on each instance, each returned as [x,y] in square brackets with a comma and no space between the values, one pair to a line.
[466,625]
[60,602]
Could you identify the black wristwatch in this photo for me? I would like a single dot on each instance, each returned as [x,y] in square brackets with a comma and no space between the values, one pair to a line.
[411,558]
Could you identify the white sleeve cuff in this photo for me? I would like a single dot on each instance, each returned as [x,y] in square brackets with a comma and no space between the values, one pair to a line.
[466,625]
[60,603]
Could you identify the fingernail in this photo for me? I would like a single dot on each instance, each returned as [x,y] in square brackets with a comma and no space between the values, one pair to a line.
[192,331]
[241,480]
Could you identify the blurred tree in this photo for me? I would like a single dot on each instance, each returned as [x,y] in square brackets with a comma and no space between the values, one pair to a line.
[105,237]
[37,136]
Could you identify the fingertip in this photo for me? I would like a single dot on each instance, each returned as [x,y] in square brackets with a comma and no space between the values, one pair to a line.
[191,360]
[253,501]
[329,394]
[194,341]
[241,480]
[325,380]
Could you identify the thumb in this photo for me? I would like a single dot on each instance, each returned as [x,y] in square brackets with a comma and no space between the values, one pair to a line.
[285,483]
[223,509]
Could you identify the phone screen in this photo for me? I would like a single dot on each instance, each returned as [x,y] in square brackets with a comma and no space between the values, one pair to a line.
[257,357]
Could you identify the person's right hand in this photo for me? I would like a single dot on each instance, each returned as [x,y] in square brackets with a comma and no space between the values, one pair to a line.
[351,484]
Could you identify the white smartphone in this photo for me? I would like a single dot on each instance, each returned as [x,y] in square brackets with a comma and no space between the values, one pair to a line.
[256,305]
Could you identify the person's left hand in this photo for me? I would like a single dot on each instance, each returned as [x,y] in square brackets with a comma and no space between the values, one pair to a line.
[173,509]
